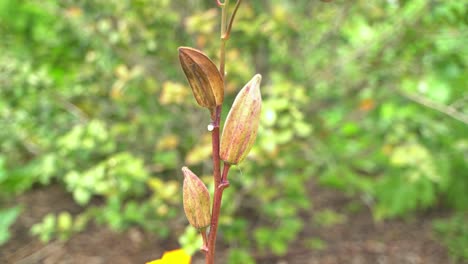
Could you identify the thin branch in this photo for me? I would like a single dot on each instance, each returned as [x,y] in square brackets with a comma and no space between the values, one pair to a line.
[222,49]
[72,109]
[445,109]
[231,20]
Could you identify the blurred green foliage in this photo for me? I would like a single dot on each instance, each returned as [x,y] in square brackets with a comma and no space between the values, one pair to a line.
[367,96]
[454,234]
[190,240]
[7,218]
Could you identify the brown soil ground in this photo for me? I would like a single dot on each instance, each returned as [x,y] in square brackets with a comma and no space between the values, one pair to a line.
[358,240]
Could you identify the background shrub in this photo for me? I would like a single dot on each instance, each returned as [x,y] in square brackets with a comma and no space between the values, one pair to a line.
[368,97]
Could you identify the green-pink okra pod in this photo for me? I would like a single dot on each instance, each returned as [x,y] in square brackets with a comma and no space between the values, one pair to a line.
[241,126]
[196,199]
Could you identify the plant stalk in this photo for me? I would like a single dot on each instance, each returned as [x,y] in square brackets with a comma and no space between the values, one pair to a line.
[220,181]
[218,195]
[215,141]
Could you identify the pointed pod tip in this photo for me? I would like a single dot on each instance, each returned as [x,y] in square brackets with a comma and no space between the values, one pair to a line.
[189,50]
[185,171]
[257,79]
[184,50]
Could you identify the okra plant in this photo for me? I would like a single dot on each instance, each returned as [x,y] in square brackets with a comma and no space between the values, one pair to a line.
[207,82]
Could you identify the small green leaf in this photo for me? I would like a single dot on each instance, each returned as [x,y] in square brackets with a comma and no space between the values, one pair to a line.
[7,218]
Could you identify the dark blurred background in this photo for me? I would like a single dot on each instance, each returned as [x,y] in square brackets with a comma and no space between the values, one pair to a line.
[361,156]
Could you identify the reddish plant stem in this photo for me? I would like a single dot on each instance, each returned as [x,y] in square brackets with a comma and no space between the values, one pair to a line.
[224,180]
[218,195]
[220,181]
[204,248]
[218,192]
[215,141]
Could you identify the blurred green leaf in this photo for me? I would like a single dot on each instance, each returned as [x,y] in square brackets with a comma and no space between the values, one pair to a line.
[7,218]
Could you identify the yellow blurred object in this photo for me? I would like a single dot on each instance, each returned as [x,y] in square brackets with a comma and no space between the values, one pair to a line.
[162,210]
[178,256]
[202,22]
[200,152]
[74,12]
[170,190]
[164,190]
[117,89]
[155,183]
[279,13]
[168,142]
[122,72]
[367,105]
[173,93]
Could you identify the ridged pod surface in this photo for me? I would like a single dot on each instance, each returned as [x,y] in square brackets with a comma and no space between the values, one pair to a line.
[203,76]
[241,126]
[196,199]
